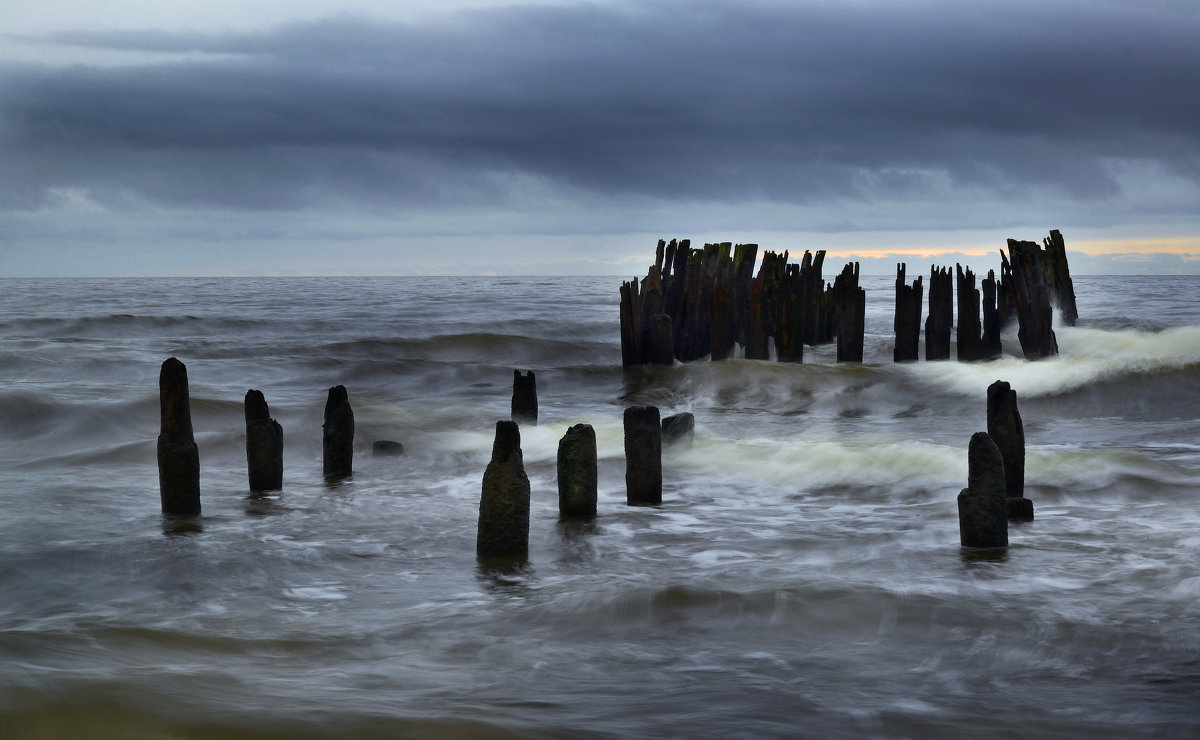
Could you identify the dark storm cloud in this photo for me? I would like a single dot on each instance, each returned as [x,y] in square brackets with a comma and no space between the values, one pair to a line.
[791,103]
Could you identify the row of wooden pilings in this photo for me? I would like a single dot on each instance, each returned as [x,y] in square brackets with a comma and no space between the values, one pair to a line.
[993,497]
[503,529]
[695,303]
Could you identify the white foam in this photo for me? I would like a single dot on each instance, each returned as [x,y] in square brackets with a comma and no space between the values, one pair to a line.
[1085,357]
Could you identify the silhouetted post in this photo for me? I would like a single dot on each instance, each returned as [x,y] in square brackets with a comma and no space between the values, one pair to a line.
[941,314]
[338,438]
[850,303]
[1035,316]
[907,321]
[969,327]
[982,520]
[577,474]
[178,457]
[643,456]
[524,398]
[1059,277]
[990,348]
[1005,428]
[504,503]
[679,429]
[264,445]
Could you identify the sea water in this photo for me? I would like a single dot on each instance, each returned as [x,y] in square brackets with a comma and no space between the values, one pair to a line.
[803,577]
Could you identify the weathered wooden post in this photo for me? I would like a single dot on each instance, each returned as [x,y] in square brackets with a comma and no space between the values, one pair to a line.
[178,457]
[941,314]
[504,502]
[679,429]
[982,520]
[524,398]
[643,456]
[850,306]
[970,345]
[907,322]
[337,444]
[264,445]
[1059,277]
[990,348]
[1005,428]
[1031,296]
[577,473]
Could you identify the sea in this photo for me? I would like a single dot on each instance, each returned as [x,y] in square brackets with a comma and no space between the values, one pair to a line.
[803,576]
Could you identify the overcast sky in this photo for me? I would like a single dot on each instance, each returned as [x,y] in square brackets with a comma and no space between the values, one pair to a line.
[153,138]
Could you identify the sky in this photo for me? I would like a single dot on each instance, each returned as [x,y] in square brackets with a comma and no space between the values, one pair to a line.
[312,137]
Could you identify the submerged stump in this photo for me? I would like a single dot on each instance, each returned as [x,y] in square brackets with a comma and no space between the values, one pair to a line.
[643,456]
[338,435]
[264,445]
[577,473]
[1006,430]
[982,518]
[524,398]
[504,502]
[178,456]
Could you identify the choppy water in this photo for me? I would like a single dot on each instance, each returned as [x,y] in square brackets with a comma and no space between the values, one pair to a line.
[802,578]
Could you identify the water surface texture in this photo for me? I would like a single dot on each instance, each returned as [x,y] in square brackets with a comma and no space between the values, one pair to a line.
[802,578]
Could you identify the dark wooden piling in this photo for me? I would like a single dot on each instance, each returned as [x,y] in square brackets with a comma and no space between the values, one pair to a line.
[941,314]
[503,530]
[631,329]
[643,456]
[907,321]
[577,473]
[723,316]
[850,305]
[989,347]
[1032,299]
[178,456]
[337,442]
[264,445]
[524,398]
[1006,430]
[1062,288]
[679,429]
[744,257]
[969,337]
[982,519]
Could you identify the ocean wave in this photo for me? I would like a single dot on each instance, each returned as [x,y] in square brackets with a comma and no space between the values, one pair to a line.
[1086,356]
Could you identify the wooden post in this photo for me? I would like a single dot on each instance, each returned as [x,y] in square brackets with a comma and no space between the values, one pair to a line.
[941,314]
[337,444]
[643,456]
[850,303]
[990,348]
[679,429]
[982,520]
[907,322]
[1032,297]
[503,529]
[264,445]
[1006,430]
[577,473]
[178,456]
[524,398]
[970,345]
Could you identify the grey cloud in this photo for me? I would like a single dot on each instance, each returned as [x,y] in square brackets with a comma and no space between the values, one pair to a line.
[793,103]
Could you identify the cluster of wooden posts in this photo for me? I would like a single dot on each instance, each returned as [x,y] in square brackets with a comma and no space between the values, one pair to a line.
[179,459]
[995,492]
[503,529]
[696,303]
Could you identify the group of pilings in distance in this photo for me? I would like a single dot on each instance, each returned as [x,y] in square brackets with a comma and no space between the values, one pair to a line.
[702,302]
[179,458]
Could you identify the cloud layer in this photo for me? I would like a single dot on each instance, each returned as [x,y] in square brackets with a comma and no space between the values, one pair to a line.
[802,116]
